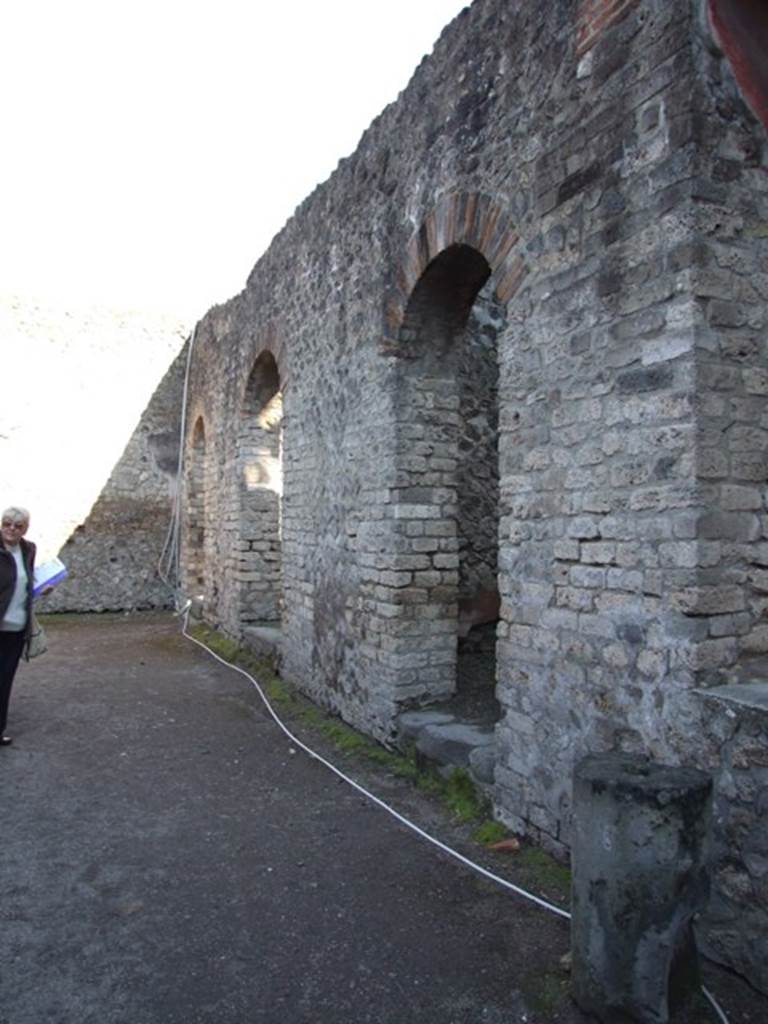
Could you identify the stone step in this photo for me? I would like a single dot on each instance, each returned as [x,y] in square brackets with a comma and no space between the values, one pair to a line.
[450,743]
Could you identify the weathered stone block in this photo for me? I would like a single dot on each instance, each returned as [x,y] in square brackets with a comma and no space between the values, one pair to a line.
[584,528]
[653,378]
[708,600]
[567,550]
[639,870]
[586,576]
[598,553]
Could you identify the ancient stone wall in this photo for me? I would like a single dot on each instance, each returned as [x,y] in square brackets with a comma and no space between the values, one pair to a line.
[735,725]
[724,603]
[114,556]
[82,419]
[519,335]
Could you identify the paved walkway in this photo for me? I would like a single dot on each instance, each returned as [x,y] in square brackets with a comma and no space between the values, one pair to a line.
[167,858]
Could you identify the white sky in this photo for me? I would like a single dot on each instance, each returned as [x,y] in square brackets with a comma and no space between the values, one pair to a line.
[152,148]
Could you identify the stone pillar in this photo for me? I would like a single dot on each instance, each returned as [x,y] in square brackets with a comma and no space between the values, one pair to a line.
[639,875]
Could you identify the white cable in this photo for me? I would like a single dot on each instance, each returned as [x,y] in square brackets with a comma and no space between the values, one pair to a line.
[170,550]
[390,810]
[380,803]
[715,1005]
[171,553]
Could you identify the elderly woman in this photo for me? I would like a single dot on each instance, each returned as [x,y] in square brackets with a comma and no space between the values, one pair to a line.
[17,562]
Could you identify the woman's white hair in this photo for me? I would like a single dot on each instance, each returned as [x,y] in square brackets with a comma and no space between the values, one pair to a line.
[17,512]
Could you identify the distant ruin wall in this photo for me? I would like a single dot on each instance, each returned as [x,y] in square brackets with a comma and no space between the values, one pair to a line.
[113,557]
[578,190]
[88,417]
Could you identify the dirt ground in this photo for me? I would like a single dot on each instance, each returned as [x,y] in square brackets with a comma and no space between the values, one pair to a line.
[169,856]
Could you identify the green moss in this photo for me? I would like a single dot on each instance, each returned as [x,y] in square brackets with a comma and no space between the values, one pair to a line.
[490,832]
[222,645]
[277,692]
[342,736]
[261,669]
[312,715]
[462,798]
[544,870]
[60,619]
[63,620]
[399,764]
[378,755]
[404,768]
[429,782]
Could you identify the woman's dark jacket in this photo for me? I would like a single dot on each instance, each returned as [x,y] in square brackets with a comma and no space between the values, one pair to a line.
[8,578]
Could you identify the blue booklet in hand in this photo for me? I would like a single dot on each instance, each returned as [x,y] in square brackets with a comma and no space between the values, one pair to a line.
[47,575]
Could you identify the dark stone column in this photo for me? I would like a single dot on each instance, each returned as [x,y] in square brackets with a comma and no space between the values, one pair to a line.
[639,876]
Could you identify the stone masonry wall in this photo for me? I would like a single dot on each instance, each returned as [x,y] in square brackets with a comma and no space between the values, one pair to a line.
[736,726]
[725,607]
[84,419]
[113,557]
[575,192]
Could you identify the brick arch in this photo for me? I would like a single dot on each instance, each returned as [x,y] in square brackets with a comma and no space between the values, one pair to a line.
[196,484]
[459,218]
[196,415]
[741,29]
[258,484]
[447,314]
[198,426]
[198,431]
[271,340]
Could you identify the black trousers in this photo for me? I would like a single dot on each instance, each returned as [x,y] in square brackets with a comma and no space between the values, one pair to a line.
[11,646]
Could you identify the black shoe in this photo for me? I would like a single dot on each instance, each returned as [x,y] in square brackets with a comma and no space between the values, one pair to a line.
[5,741]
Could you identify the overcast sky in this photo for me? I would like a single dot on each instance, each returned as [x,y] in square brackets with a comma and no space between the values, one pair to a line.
[152,148]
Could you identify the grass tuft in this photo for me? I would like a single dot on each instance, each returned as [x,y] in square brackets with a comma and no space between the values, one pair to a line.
[342,736]
[462,798]
[490,832]
[222,645]
[547,873]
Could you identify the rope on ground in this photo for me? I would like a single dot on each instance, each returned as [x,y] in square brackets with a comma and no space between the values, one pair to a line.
[399,817]
[715,1005]
[370,796]
[503,882]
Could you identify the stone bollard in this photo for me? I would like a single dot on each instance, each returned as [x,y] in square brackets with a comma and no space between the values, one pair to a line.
[639,875]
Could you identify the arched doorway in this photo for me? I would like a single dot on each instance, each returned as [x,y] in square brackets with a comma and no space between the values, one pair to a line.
[446,411]
[478,507]
[194,561]
[260,484]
